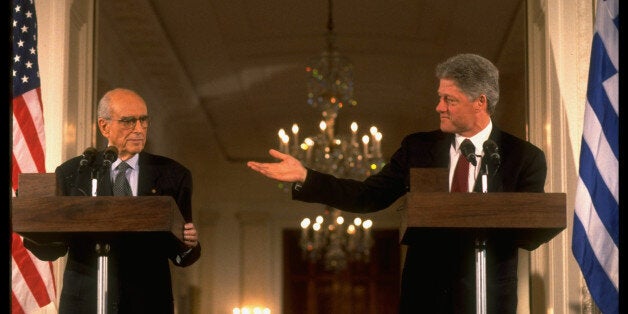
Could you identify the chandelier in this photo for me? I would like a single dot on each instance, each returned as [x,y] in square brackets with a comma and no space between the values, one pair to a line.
[330,87]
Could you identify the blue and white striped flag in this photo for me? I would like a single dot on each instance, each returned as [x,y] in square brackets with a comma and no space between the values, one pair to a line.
[596,220]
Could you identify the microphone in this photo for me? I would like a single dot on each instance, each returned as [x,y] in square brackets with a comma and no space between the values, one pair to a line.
[468,150]
[88,157]
[87,161]
[492,152]
[110,155]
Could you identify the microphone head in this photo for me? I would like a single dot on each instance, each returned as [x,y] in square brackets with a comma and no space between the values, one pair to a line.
[110,155]
[89,155]
[492,152]
[468,150]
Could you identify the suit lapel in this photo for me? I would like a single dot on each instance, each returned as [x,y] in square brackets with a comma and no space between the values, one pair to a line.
[495,179]
[147,176]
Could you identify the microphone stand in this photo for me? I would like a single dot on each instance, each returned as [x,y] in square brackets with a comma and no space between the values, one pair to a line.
[102,249]
[480,255]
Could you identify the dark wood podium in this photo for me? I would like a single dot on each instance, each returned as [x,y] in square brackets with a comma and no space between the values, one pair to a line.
[40,215]
[529,219]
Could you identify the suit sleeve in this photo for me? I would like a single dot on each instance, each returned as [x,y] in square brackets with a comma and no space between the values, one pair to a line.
[375,193]
[184,256]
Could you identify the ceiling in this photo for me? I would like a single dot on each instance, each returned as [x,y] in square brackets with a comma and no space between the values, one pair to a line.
[239,66]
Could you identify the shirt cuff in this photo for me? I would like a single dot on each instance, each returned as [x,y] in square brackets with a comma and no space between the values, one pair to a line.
[182,255]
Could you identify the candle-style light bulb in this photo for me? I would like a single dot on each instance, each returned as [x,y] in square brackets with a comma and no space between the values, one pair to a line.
[354,134]
[373,131]
[322,126]
[281,134]
[316,226]
[310,147]
[365,139]
[354,127]
[357,221]
[285,139]
[295,134]
[308,141]
[340,220]
[351,229]
[305,223]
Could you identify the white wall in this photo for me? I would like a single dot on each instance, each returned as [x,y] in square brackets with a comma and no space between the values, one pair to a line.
[65,32]
[559,39]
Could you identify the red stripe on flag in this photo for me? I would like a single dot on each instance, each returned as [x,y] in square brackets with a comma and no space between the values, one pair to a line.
[29,271]
[29,132]
[32,279]
[15,172]
[16,307]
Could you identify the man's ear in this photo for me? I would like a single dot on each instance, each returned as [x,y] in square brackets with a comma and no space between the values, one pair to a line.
[480,103]
[103,126]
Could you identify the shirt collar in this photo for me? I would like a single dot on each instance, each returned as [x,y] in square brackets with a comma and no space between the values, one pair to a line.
[477,139]
[131,162]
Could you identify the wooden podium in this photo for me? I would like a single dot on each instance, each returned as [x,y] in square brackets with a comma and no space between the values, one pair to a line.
[528,219]
[40,215]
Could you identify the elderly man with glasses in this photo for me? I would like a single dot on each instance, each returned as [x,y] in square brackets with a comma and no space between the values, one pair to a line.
[139,279]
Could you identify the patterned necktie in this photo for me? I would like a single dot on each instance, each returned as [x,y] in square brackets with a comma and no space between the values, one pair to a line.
[121,185]
[460,181]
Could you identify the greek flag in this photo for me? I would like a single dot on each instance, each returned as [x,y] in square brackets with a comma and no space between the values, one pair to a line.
[596,221]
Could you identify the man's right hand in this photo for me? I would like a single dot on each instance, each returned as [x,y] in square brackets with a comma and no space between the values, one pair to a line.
[288,169]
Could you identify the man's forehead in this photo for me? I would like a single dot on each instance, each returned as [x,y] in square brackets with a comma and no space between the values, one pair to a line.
[448,90]
[134,107]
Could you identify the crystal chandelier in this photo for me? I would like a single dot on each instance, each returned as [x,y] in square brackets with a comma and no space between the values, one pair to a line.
[330,86]
[330,77]
[326,239]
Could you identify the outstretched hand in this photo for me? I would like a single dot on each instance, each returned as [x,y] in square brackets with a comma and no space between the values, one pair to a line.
[288,169]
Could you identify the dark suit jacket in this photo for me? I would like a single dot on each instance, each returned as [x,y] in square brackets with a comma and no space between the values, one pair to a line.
[139,272]
[439,274]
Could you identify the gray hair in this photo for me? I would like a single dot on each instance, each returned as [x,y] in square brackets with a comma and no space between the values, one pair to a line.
[474,75]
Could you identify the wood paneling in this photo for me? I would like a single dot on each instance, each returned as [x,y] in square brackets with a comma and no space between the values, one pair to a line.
[361,288]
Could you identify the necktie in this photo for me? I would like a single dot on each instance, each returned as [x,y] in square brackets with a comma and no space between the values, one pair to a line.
[121,185]
[460,181]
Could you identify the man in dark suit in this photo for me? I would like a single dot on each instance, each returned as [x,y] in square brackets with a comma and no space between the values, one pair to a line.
[439,274]
[139,278]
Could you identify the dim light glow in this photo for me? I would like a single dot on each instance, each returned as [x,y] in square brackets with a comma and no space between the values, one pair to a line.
[251,310]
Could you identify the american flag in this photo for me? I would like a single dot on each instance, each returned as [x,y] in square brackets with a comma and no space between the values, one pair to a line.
[32,280]
[596,221]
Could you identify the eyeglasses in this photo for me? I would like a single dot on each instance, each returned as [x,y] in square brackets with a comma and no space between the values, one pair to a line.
[129,122]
